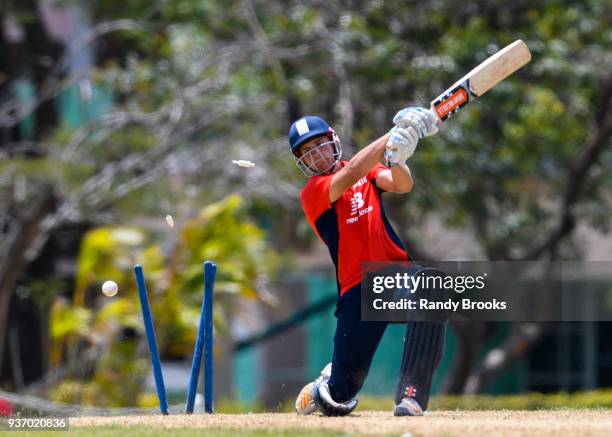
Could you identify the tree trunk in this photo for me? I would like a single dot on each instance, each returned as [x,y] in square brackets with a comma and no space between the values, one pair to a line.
[470,338]
[14,261]
[522,338]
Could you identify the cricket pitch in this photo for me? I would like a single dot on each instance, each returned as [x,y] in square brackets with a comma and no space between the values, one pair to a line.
[437,423]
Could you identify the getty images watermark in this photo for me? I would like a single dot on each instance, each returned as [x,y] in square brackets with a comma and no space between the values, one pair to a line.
[487,291]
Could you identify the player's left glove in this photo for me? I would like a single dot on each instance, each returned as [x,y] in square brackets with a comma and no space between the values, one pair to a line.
[421,119]
[401,145]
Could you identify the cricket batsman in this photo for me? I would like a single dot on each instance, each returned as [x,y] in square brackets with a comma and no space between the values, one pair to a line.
[343,204]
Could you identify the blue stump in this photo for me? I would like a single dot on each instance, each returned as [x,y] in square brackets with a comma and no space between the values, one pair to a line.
[210,271]
[152,343]
[204,340]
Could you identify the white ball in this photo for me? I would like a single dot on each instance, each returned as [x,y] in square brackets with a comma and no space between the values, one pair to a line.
[109,288]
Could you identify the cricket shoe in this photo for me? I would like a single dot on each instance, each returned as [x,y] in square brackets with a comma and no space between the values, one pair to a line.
[304,404]
[408,407]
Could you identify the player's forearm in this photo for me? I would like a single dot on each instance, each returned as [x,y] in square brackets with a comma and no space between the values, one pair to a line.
[357,167]
[402,178]
[367,157]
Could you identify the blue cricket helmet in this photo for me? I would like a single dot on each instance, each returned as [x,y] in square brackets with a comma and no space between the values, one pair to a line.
[316,161]
[305,129]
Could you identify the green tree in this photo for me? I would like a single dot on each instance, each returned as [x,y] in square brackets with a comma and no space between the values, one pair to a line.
[197,83]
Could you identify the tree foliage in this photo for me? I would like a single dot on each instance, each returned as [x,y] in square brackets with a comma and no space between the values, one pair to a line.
[91,334]
[195,84]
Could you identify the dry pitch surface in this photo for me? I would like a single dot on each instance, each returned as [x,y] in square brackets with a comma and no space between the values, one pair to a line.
[447,423]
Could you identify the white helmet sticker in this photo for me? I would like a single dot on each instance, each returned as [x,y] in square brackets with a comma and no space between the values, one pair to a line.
[302,126]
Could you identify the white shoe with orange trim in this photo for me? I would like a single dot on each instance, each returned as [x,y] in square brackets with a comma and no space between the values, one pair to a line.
[304,404]
[408,407]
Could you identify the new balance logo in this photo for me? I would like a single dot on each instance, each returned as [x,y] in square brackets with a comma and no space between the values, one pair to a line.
[356,202]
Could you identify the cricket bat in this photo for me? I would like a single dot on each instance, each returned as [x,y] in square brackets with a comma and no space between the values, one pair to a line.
[481,79]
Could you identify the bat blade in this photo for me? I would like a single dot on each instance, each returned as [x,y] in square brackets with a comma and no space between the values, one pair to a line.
[481,79]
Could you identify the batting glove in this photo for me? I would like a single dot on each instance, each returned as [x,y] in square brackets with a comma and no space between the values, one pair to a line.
[422,120]
[401,145]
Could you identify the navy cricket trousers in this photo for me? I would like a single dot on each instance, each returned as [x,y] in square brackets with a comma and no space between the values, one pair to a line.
[356,341]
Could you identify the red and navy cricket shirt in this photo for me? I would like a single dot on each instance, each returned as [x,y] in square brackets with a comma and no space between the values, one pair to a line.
[355,227]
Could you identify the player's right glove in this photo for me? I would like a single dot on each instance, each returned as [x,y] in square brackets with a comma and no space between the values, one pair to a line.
[421,119]
[401,145]
[322,398]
